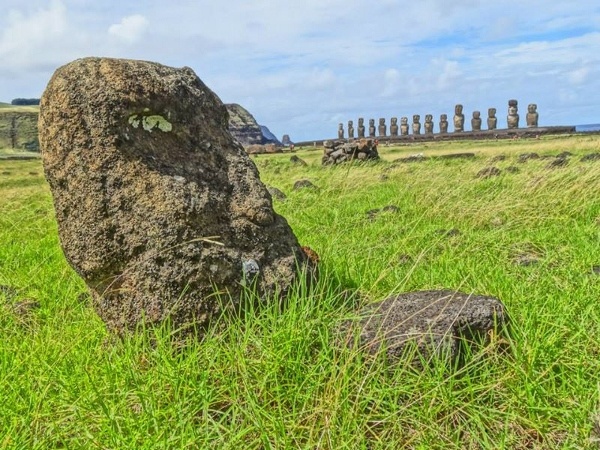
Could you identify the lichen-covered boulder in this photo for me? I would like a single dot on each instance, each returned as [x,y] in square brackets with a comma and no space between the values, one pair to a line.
[159,209]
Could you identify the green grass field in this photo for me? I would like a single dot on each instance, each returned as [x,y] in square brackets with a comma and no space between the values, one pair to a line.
[273,381]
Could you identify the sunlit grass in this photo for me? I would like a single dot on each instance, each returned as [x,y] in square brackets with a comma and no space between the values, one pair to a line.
[275,379]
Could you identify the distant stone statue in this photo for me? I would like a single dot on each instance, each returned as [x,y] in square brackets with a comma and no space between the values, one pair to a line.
[476,121]
[444,123]
[341,131]
[371,127]
[394,127]
[428,124]
[416,125]
[492,120]
[404,126]
[361,127]
[382,127]
[459,119]
[512,120]
[532,115]
[350,129]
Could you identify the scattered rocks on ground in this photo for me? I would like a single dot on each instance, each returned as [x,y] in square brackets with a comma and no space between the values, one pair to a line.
[498,158]
[448,233]
[456,156]
[337,152]
[557,162]
[512,169]
[158,207]
[596,270]
[437,323]
[488,172]
[524,157]
[412,158]
[526,259]
[373,213]
[590,157]
[564,154]
[276,193]
[297,161]
[303,184]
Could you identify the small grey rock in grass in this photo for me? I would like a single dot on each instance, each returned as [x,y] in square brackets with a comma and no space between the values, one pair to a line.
[391,209]
[297,161]
[488,172]
[437,323]
[302,184]
[405,259]
[512,169]
[596,270]
[9,292]
[498,158]
[590,157]
[526,259]
[25,308]
[564,154]
[448,233]
[523,157]
[558,162]
[276,193]
[456,156]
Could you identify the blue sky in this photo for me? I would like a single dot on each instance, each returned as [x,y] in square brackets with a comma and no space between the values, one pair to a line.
[302,67]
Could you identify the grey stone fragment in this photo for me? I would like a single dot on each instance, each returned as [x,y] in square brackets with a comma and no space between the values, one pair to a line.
[437,323]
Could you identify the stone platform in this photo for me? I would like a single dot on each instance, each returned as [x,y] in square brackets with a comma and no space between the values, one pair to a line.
[514,133]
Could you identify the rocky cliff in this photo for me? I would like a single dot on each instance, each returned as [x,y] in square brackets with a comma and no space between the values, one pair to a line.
[245,129]
[18,128]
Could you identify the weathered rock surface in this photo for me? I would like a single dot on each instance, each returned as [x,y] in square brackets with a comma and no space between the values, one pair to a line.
[436,322]
[158,206]
[337,152]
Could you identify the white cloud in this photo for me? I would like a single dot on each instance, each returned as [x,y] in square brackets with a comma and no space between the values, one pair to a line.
[579,76]
[28,40]
[130,29]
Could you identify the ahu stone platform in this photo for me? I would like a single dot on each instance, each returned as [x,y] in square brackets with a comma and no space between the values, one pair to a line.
[508,133]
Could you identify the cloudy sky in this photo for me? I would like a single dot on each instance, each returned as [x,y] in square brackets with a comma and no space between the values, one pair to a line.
[302,67]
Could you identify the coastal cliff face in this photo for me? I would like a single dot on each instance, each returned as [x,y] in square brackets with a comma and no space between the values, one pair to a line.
[18,128]
[245,129]
[19,131]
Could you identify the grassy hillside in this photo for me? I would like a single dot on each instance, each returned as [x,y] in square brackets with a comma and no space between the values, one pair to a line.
[529,236]
[18,128]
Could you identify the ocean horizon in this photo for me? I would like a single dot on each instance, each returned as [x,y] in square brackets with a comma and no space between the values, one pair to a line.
[588,127]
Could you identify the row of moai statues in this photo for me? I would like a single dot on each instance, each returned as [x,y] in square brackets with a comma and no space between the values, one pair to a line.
[512,121]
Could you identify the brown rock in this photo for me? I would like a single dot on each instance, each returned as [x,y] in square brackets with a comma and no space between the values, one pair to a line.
[158,207]
[433,322]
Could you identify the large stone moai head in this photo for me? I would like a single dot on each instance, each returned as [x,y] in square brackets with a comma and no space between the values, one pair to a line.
[341,131]
[428,126]
[492,120]
[394,126]
[459,119]
[476,121]
[404,126]
[350,129]
[512,119]
[382,129]
[532,115]
[372,128]
[416,124]
[361,127]
[160,210]
[443,123]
